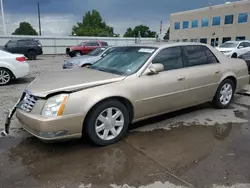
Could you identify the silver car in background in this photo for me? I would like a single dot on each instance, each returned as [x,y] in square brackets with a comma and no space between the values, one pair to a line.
[89,59]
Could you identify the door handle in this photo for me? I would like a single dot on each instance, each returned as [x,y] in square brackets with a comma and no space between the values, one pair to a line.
[217,72]
[181,78]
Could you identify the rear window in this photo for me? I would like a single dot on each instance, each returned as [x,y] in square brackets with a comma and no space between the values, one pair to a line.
[104,43]
[196,55]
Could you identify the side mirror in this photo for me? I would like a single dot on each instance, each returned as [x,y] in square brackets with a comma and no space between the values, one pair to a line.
[154,69]
[241,47]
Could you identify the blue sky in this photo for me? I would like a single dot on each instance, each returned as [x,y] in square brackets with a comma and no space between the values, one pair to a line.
[58,16]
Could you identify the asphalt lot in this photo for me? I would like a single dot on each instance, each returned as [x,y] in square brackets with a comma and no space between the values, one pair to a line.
[176,150]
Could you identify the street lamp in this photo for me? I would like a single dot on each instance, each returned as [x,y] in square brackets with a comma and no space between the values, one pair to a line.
[4,27]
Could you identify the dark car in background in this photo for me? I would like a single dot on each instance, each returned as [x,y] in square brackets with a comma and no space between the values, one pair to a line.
[246,57]
[84,48]
[31,48]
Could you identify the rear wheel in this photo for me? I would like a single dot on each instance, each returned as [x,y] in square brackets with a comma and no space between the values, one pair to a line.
[5,76]
[224,94]
[107,123]
[32,55]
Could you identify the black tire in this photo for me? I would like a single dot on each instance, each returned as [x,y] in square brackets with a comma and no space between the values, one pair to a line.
[5,72]
[234,55]
[216,101]
[31,55]
[86,65]
[89,125]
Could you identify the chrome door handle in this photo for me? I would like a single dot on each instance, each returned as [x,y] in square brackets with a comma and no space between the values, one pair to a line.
[181,78]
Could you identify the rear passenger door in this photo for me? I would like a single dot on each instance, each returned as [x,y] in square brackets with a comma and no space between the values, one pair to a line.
[203,73]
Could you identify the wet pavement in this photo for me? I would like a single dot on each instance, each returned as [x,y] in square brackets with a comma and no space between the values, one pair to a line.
[195,147]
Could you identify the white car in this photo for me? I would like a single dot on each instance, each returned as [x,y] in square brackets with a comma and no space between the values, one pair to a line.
[12,66]
[234,48]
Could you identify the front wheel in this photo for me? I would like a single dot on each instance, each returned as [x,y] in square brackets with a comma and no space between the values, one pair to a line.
[224,94]
[107,123]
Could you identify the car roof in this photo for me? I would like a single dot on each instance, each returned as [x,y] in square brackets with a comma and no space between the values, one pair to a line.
[236,42]
[14,40]
[168,44]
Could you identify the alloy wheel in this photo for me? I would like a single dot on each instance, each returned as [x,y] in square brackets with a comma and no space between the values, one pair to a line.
[226,93]
[109,124]
[4,77]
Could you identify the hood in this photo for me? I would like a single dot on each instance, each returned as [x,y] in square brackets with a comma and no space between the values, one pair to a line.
[225,49]
[70,81]
[83,59]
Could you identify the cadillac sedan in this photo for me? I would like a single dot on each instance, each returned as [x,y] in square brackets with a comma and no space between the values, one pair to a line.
[130,84]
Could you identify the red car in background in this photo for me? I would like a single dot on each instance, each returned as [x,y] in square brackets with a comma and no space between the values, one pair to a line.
[84,48]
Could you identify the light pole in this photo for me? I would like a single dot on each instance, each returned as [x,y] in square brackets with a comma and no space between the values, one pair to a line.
[4,27]
[39,18]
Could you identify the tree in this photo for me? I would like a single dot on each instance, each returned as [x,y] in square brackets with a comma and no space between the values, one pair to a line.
[167,35]
[93,25]
[143,30]
[25,29]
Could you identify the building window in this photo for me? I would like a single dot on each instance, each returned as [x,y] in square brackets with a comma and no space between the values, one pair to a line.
[185,24]
[240,38]
[195,23]
[203,40]
[225,39]
[184,40]
[217,42]
[204,22]
[177,25]
[242,18]
[229,19]
[216,21]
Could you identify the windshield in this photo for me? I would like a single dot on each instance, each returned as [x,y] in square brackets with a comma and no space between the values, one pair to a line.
[229,45]
[124,60]
[97,51]
[80,44]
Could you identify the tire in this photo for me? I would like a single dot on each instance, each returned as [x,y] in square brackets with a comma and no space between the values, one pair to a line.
[228,97]
[108,133]
[5,76]
[234,55]
[32,55]
[85,65]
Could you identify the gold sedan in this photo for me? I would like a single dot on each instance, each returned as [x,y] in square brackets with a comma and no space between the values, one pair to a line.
[131,83]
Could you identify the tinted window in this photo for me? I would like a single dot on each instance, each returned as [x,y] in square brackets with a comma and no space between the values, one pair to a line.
[203,40]
[11,44]
[242,18]
[196,55]
[240,38]
[216,20]
[245,44]
[177,25]
[225,39]
[22,43]
[229,19]
[92,44]
[185,24]
[171,58]
[210,56]
[195,23]
[104,43]
[204,22]
[108,51]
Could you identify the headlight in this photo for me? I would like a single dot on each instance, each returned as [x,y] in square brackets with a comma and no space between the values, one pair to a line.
[226,51]
[55,105]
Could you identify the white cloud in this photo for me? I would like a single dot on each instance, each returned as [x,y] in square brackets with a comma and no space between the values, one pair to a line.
[50,24]
[61,24]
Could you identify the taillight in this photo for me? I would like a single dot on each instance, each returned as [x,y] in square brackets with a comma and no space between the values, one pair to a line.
[21,59]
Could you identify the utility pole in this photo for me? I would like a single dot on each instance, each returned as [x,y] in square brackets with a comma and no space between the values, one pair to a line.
[4,27]
[39,19]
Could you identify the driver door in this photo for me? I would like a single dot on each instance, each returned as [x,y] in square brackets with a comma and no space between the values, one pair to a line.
[162,92]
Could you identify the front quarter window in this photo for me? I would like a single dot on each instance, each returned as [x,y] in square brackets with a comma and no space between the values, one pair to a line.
[124,60]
